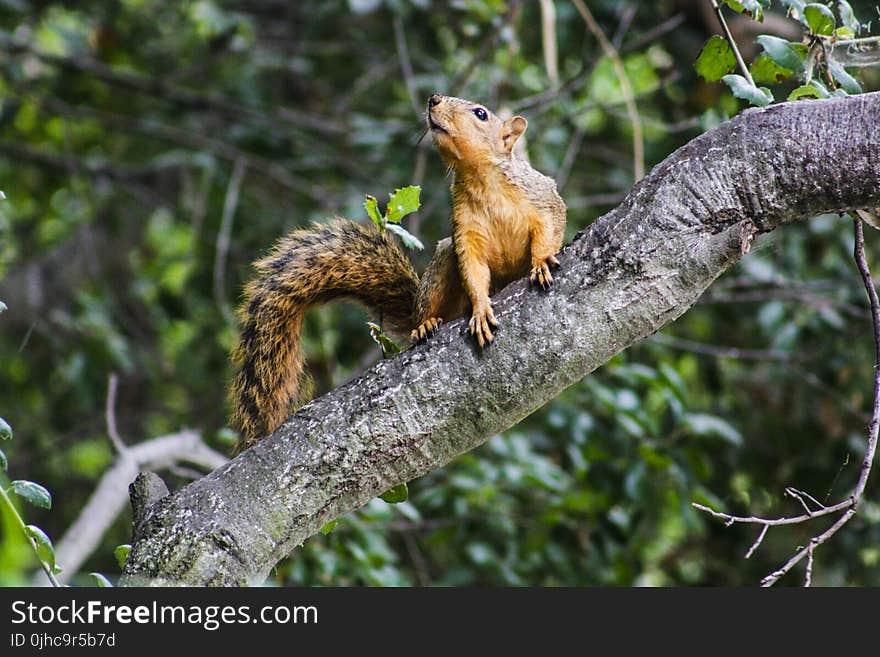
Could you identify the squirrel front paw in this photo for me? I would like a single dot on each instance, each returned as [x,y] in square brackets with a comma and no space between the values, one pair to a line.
[425,330]
[481,324]
[540,274]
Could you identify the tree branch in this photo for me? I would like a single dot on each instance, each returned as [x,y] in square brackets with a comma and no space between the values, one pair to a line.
[625,88]
[111,494]
[850,505]
[629,274]
[160,87]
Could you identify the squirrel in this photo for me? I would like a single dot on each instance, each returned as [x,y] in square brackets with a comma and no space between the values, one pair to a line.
[507,221]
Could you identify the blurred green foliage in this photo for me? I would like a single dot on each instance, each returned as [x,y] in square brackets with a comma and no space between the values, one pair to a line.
[120,126]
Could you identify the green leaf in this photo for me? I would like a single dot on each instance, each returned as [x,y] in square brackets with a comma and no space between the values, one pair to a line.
[811,90]
[101,581]
[45,550]
[715,60]
[820,19]
[765,70]
[5,430]
[371,205]
[227,436]
[329,527]
[389,347]
[805,91]
[4,464]
[396,495]
[847,17]
[758,96]
[844,33]
[409,240]
[402,202]
[796,7]
[847,82]
[782,52]
[33,493]
[752,8]
[710,426]
[121,554]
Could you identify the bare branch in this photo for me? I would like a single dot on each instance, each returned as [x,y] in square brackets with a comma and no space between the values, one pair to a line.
[110,414]
[162,88]
[724,352]
[632,272]
[548,41]
[850,505]
[757,542]
[625,87]
[230,204]
[857,52]
[664,28]
[406,65]
[111,494]
[727,35]
[808,578]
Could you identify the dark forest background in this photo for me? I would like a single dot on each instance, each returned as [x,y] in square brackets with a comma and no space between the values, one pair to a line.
[151,150]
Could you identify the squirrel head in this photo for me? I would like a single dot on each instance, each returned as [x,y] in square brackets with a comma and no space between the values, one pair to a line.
[469,136]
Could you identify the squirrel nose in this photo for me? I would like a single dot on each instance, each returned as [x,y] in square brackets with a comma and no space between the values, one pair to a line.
[434,100]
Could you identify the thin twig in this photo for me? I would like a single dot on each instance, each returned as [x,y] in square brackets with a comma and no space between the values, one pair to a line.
[858,491]
[808,577]
[192,139]
[773,577]
[161,88]
[814,381]
[815,301]
[625,88]
[669,25]
[406,65]
[110,414]
[420,565]
[727,35]
[574,147]
[109,497]
[774,522]
[548,41]
[857,52]
[757,542]
[851,504]
[223,237]
[725,352]
[794,491]
[488,44]
[626,18]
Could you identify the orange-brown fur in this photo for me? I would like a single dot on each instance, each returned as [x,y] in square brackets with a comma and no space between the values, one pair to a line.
[507,221]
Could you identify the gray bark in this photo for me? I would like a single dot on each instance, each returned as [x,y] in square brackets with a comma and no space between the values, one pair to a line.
[108,499]
[630,273]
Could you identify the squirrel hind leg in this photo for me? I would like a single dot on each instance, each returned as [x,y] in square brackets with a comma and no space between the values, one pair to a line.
[425,330]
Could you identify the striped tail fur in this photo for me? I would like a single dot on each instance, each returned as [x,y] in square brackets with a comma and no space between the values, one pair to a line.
[310,266]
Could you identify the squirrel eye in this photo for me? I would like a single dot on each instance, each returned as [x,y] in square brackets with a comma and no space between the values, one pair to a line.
[480,113]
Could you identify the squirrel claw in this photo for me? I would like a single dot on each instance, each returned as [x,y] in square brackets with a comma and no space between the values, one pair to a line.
[425,330]
[540,274]
[481,324]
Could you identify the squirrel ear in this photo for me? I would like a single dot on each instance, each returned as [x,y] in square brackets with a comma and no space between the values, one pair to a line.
[511,130]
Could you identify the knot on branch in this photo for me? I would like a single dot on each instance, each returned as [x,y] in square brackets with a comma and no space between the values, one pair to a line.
[147,489]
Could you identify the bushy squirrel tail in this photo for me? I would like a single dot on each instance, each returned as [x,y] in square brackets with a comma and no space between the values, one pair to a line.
[310,266]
